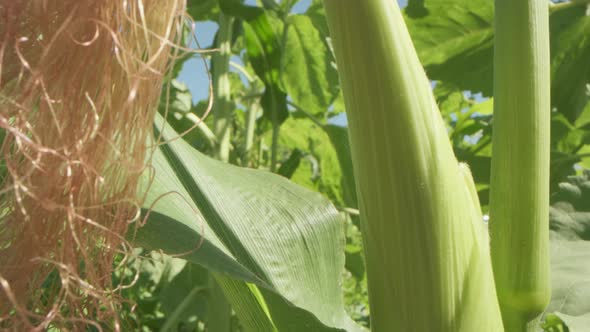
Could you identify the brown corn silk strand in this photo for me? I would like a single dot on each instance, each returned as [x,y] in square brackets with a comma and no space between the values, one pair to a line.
[79,86]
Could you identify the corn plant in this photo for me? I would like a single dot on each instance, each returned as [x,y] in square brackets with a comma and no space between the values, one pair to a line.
[433,271]
[519,197]
[395,201]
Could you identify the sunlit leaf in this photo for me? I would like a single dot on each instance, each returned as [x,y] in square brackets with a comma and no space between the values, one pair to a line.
[251,226]
[454,40]
[307,73]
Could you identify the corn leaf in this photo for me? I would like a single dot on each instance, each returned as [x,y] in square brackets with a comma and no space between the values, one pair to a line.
[254,227]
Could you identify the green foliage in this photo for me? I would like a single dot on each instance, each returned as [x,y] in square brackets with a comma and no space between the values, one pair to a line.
[570,70]
[233,221]
[203,10]
[307,71]
[553,323]
[262,35]
[454,40]
[320,169]
[169,294]
[570,209]
[570,252]
[291,74]
[519,185]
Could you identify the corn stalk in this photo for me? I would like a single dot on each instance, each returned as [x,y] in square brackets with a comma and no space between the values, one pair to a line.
[220,309]
[427,254]
[519,196]
[222,105]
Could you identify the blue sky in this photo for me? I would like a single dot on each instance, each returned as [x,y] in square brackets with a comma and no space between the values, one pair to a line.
[194,73]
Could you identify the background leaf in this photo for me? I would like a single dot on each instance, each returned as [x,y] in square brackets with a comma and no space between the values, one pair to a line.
[307,73]
[454,40]
[570,253]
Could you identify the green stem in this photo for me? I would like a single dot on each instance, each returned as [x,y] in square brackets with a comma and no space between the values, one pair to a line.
[222,106]
[220,309]
[348,210]
[309,116]
[427,256]
[242,70]
[252,112]
[203,128]
[519,188]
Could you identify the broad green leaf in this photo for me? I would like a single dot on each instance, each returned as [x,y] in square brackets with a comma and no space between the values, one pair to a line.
[454,39]
[262,36]
[570,250]
[570,209]
[320,169]
[251,226]
[570,68]
[570,273]
[317,14]
[306,70]
[263,50]
[339,139]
